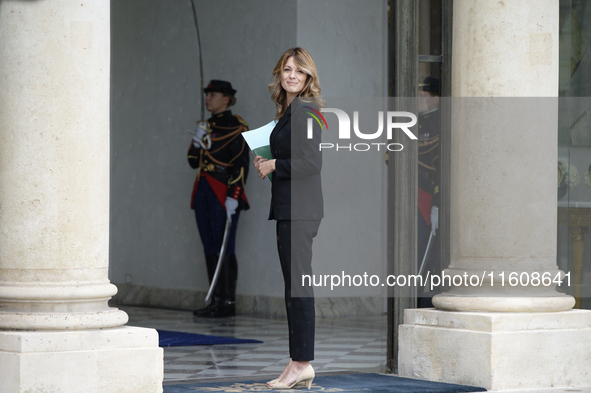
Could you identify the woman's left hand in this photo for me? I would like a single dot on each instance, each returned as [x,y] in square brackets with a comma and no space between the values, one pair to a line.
[265,167]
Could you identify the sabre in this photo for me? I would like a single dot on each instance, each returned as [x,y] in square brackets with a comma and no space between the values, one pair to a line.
[426,253]
[200,56]
[201,123]
[218,268]
[206,144]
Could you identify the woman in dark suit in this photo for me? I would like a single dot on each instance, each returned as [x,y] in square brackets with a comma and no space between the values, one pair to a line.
[296,201]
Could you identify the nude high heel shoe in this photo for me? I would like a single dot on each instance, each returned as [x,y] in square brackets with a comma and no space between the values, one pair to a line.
[306,375]
[272,382]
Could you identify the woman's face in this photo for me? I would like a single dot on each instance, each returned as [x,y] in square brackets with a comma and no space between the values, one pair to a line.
[293,79]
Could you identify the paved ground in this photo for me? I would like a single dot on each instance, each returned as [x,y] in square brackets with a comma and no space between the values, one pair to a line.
[342,344]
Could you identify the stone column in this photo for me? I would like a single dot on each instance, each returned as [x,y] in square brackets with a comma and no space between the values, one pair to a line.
[503,214]
[504,154]
[54,208]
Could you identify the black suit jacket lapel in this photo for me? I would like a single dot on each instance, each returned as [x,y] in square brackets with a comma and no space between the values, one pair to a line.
[284,119]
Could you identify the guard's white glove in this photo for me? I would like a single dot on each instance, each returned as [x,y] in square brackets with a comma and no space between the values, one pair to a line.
[198,138]
[231,206]
[200,133]
[434,219]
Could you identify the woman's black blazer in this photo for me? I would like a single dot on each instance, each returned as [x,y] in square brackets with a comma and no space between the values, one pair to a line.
[296,190]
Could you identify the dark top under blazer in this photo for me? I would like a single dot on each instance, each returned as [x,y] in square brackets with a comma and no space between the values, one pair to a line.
[296,189]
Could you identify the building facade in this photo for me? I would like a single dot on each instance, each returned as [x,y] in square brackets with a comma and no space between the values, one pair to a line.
[95,102]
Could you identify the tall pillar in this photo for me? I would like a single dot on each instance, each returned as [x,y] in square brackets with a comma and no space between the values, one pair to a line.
[502,330]
[504,154]
[57,331]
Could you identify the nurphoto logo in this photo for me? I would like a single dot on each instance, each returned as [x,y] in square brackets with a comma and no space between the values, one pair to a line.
[345,129]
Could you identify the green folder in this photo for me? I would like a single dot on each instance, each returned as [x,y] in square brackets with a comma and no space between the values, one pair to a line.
[263,151]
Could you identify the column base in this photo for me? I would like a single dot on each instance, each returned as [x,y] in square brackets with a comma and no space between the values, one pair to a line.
[449,302]
[124,359]
[497,351]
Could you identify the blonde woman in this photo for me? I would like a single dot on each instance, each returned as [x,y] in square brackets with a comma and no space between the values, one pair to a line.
[296,201]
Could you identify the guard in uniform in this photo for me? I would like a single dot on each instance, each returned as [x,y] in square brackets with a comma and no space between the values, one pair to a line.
[221,156]
[429,151]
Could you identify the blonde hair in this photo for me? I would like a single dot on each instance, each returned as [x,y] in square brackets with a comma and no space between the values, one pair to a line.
[311,91]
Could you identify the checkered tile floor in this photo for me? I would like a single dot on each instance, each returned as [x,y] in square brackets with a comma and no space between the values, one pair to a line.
[342,344]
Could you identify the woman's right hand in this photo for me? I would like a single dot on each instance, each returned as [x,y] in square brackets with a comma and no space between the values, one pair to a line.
[265,167]
[258,160]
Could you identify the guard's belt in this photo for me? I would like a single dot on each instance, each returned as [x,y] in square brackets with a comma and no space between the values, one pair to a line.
[214,168]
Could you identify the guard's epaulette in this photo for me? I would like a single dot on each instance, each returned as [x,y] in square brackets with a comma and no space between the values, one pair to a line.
[242,121]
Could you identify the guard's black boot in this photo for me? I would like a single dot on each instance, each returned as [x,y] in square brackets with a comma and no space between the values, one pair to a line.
[206,311]
[222,310]
[226,289]
[231,265]
[210,263]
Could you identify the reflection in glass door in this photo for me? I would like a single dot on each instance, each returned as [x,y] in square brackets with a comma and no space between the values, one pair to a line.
[429,144]
[574,149]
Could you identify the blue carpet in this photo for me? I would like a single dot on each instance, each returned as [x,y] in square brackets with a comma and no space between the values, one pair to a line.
[167,338]
[374,383]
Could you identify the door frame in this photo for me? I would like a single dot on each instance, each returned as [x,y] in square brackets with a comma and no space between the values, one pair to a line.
[403,61]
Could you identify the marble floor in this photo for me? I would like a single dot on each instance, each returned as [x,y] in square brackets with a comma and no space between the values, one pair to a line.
[342,345]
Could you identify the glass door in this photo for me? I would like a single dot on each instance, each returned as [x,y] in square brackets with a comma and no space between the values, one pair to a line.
[419,66]
[574,149]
